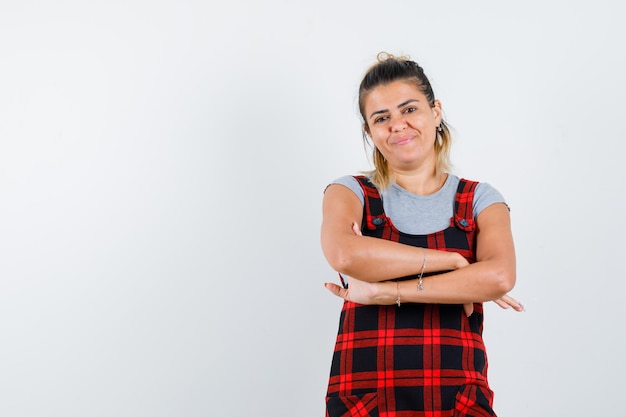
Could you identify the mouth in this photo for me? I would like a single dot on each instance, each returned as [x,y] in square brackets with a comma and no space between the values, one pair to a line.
[402,141]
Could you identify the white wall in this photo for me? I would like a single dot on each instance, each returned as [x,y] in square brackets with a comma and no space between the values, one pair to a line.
[161,173]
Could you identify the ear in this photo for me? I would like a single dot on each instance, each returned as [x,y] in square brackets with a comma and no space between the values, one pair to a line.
[437,112]
[366,129]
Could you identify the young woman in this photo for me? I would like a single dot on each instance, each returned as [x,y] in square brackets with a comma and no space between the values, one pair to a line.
[418,250]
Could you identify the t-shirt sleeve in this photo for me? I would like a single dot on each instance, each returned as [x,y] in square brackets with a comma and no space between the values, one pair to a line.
[484,196]
[350,182]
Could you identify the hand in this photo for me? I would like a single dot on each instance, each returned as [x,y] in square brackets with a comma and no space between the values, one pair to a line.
[507,301]
[360,292]
[504,302]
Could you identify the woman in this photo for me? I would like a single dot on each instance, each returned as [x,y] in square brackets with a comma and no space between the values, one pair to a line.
[418,251]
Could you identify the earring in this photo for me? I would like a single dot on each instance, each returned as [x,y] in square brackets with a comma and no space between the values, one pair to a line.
[439,135]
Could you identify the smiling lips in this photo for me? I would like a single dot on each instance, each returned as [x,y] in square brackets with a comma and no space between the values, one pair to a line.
[403,140]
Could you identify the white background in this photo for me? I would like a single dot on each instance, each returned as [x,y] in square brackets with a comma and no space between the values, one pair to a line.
[161,173]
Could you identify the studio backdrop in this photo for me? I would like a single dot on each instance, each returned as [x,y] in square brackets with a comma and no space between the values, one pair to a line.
[162,167]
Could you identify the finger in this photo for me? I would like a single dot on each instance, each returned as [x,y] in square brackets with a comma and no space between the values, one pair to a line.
[517,306]
[338,290]
[501,303]
[356,230]
[468,308]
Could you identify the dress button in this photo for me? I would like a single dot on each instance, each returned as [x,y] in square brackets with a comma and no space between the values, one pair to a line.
[463,222]
[377,221]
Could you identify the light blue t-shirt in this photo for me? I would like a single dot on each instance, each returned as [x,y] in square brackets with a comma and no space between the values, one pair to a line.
[424,214]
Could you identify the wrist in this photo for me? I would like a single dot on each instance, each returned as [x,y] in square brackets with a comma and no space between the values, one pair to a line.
[386,293]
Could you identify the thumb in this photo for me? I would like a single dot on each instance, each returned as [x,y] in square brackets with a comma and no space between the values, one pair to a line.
[336,289]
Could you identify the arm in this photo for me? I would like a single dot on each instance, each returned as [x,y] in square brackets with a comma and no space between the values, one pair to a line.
[365,292]
[489,278]
[366,258]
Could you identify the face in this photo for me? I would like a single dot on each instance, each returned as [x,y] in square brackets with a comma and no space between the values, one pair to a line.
[402,124]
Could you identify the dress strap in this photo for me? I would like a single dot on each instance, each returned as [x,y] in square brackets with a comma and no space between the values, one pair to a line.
[373,213]
[464,205]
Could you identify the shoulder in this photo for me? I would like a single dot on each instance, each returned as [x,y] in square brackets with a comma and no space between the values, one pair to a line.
[350,182]
[484,194]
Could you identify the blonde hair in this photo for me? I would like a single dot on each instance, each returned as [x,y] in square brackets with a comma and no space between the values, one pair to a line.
[387,69]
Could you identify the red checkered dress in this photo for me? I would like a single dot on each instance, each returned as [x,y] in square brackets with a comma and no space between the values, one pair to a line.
[416,359]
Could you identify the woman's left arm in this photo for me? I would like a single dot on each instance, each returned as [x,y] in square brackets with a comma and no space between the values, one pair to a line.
[491,277]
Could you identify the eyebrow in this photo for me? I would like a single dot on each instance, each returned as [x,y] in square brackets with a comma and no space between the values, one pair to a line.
[411,100]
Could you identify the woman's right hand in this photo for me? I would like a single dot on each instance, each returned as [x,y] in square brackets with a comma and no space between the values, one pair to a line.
[507,302]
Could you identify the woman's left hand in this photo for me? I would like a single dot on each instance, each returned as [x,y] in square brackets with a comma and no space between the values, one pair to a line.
[360,292]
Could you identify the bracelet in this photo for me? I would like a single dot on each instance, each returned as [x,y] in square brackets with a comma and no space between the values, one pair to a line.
[398,299]
[420,284]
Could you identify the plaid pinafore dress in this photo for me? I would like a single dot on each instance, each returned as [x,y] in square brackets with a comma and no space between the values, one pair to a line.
[416,359]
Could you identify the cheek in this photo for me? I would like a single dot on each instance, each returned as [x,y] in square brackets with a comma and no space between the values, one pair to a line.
[379,131]
[377,138]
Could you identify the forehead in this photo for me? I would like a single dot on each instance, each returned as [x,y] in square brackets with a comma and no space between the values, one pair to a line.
[391,94]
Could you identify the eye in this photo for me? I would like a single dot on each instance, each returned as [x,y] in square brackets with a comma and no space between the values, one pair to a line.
[410,109]
[380,119]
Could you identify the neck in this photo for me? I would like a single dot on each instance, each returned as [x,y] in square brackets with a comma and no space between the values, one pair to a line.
[421,183]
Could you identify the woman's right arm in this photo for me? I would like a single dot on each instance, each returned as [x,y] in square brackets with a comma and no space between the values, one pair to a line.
[367,258]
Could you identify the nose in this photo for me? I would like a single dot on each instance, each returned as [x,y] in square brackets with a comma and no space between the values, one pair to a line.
[398,124]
